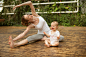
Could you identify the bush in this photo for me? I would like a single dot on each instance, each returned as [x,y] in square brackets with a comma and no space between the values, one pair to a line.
[69,19]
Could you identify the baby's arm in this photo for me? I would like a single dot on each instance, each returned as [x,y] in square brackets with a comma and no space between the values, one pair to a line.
[46,34]
[58,37]
[58,34]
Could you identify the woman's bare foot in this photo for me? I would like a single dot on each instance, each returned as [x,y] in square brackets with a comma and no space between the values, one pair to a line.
[11,42]
[44,38]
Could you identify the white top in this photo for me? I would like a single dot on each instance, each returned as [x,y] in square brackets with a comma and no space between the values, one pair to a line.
[42,26]
[53,37]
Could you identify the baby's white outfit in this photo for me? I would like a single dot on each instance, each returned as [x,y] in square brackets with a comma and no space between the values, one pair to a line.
[53,37]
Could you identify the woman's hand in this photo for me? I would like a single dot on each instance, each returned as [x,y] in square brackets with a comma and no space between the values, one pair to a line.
[14,7]
[26,3]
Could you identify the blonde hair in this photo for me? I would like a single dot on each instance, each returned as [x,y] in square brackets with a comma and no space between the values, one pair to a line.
[55,23]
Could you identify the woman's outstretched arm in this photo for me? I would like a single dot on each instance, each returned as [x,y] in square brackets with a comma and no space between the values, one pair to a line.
[26,3]
[24,33]
[31,6]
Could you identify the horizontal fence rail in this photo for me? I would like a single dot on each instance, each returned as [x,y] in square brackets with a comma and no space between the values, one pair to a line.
[76,10]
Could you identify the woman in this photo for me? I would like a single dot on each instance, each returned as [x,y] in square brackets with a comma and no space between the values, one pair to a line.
[34,21]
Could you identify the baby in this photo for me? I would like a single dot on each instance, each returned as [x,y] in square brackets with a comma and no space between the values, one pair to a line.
[53,35]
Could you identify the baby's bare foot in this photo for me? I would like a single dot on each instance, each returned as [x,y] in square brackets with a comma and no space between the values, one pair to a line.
[47,45]
[11,42]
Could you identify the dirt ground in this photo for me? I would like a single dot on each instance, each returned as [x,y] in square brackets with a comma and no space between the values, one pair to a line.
[74,44]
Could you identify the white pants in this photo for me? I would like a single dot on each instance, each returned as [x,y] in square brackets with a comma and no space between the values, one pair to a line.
[40,36]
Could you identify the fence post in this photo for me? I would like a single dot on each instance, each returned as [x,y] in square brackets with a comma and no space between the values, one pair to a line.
[83,6]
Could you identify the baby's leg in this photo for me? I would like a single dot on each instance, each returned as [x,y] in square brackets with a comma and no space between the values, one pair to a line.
[47,43]
[55,44]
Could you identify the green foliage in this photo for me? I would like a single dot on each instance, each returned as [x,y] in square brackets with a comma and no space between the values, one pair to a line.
[69,19]
[66,19]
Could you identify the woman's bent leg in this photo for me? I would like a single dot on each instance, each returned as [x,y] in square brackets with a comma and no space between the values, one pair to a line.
[35,37]
[61,38]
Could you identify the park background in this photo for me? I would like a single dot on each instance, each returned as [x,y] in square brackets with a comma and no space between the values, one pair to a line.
[13,17]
